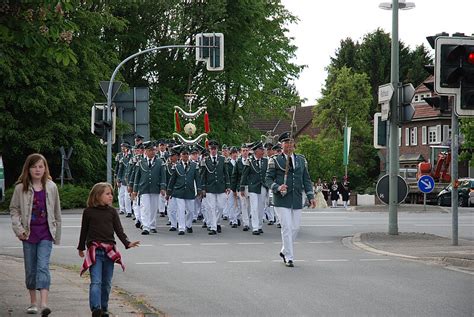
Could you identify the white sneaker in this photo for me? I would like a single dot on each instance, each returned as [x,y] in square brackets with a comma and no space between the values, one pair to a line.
[32,309]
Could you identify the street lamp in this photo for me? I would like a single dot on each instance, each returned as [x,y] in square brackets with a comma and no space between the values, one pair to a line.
[394,105]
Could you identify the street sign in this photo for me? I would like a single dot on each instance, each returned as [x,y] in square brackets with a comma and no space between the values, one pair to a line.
[385,93]
[407,93]
[382,189]
[407,113]
[104,86]
[385,110]
[426,184]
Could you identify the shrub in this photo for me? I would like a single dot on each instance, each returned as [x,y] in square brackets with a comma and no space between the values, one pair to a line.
[73,196]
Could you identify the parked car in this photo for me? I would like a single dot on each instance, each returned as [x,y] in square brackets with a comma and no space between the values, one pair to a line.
[465,193]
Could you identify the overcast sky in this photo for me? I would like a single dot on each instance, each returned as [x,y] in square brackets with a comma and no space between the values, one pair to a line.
[323,23]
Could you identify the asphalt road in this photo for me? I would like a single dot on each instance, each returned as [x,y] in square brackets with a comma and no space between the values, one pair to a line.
[236,273]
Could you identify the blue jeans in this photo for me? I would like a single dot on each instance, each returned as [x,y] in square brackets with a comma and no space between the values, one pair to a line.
[36,257]
[101,281]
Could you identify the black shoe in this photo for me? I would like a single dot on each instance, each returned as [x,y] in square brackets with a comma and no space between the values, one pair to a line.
[162,214]
[153,231]
[45,311]
[145,232]
[255,233]
[189,230]
[270,223]
[121,212]
[260,231]
[138,225]
[128,216]
[219,229]
[225,218]
[168,223]
[133,218]
[105,314]
[172,229]
[278,225]
[246,228]
[212,232]
[204,225]
[234,225]
[283,257]
[181,233]
[97,312]
[238,222]
[200,217]
[194,220]
[289,263]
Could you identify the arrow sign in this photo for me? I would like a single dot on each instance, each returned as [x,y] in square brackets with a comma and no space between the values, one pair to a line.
[385,93]
[104,86]
[426,184]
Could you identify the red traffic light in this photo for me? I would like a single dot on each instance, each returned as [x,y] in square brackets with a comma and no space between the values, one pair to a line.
[470,58]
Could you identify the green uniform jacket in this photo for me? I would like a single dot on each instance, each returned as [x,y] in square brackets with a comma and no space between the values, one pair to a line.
[133,169]
[237,175]
[298,179]
[253,176]
[123,169]
[149,180]
[185,183]
[214,178]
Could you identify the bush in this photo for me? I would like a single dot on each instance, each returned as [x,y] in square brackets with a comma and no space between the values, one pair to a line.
[73,196]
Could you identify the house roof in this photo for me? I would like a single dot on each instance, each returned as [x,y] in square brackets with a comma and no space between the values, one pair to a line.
[303,118]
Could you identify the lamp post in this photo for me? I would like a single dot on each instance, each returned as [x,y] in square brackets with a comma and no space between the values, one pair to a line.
[394,106]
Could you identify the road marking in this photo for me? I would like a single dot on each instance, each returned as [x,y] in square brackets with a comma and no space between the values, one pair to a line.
[70,226]
[152,263]
[333,260]
[199,262]
[327,226]
[13,247]
[176,244]
[216,243]
[250,243]
[245,261]
[444,225]
[318,242]
[146,245]
[374,260]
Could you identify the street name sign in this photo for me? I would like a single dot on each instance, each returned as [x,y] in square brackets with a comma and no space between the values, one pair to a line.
[426,184]
[385,95]
[382,189]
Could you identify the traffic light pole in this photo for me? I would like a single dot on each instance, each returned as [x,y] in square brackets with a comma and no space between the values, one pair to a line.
[109,99]
[454,172]
[393,141]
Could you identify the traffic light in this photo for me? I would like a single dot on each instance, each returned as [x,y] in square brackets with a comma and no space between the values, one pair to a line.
[210,48]
[380,131]
[440,103]
[100,129]
[454,71]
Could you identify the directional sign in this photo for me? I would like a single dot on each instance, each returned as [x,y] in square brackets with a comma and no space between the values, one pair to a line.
[426,184]
[407,93]
[382,189]
[385,93]
[407,113]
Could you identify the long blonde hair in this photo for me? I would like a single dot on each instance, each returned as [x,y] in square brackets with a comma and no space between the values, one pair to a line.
[25,177]
[94,195]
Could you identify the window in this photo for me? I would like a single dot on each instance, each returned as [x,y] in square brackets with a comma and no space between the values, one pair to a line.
[414,136]
[423,135]
[434,134]
[407,136]
[399,136]
[446,133]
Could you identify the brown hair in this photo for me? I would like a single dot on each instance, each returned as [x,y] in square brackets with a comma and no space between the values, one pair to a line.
[94,195]
[25,177]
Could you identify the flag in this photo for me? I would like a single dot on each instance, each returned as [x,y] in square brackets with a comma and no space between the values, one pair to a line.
[347,145]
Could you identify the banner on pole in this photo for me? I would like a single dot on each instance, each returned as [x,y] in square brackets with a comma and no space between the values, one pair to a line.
[347,145]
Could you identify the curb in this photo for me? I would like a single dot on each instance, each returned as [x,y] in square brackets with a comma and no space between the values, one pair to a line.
[358,243]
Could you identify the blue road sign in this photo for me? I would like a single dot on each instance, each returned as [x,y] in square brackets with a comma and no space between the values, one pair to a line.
[426,184]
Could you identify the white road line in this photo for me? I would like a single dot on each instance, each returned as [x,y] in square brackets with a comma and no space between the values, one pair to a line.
[146,245]
[318,242]
[443,225]
[245,261]
[67,218]
[176,244]
[327,226]
[374,260]
[152,263]
[199,262]
[13,247]
[216,243]
[333,260]
[250,243]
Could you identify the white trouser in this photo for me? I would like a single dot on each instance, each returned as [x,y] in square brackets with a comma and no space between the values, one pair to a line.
[128,201]
[215,202]
[162,204]
[185,212]
[197,207]
[257,206]
[244,208]
[268,209]
[232,204]
[205,209]
[122,192]
[172,212]
[149,207]
[290,220]
[228,207]
[334,203]
[137,209]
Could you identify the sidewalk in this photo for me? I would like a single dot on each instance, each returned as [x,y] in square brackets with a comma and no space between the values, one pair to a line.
[420,247]
[69,293]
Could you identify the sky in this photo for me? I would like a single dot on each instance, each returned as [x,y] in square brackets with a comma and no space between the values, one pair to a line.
[324,23]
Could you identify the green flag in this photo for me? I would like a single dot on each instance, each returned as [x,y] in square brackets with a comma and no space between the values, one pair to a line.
[347,145]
